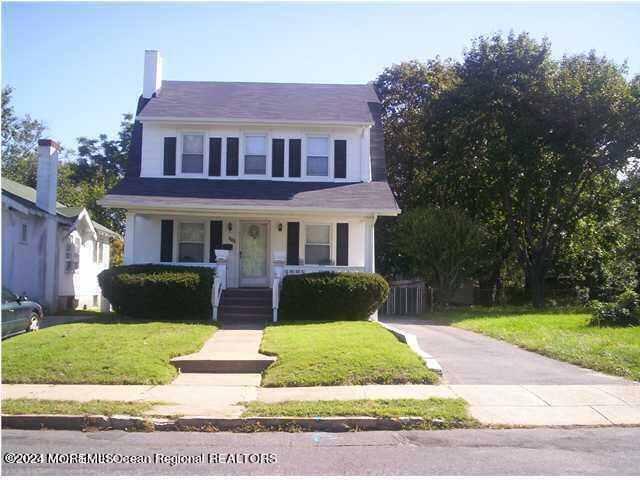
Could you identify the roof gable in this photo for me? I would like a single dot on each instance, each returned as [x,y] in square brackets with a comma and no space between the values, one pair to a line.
[27,196]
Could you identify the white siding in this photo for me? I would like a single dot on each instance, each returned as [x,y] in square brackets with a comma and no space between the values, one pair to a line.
[22,262]
[146,247]
[153,148]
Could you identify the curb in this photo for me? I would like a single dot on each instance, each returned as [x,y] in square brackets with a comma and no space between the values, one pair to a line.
[412,341]
[210,424]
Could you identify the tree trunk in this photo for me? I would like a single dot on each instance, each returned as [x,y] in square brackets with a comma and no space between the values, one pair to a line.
[535,284]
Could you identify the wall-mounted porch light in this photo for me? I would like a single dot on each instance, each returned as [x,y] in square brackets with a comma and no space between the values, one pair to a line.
[280,227]
[230,226]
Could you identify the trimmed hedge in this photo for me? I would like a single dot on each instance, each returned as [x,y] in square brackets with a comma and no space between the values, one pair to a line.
[158,291]
[332,295]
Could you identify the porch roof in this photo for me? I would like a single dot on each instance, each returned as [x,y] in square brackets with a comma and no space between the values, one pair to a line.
[368,198]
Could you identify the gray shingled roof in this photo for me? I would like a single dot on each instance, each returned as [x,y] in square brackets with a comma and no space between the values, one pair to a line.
[367,197]
[242,101]
[27,196]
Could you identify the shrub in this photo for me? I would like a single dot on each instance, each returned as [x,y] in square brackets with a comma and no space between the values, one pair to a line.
[625,311]
[332,295]
[158,291]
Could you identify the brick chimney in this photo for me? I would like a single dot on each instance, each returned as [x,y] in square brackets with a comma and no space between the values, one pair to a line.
[47,175]
[152,73]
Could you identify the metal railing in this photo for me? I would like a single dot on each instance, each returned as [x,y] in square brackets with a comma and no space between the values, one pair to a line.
[408,299]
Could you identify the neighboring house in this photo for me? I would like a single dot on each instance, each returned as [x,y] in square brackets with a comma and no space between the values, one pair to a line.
[51,253]
[287,177]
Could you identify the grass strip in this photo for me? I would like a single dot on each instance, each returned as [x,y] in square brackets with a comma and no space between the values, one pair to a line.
[24,406]
[436,412]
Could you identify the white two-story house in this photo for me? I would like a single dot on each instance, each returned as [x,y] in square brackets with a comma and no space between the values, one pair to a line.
[268,179]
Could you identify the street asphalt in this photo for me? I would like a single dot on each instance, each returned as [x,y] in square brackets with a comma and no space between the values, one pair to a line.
[470,358]
[586,451]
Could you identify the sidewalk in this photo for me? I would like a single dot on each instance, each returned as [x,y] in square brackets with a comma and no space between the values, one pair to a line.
[527,405]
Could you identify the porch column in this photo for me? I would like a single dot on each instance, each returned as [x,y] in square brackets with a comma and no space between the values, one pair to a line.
[129,239]
[369,245]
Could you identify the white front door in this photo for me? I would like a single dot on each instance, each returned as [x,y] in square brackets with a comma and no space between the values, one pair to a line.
[253,254]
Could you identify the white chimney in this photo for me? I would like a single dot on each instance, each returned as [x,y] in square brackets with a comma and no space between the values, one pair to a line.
[47,175]
[152,73]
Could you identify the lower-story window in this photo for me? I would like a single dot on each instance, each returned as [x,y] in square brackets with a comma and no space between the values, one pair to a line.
[191,242]
[317,248]
[71,255]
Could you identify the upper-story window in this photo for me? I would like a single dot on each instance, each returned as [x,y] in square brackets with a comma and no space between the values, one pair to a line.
[255,158]
[317,157]
[192,153]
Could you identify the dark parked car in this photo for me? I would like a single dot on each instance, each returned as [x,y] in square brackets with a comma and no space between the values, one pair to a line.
[19,314]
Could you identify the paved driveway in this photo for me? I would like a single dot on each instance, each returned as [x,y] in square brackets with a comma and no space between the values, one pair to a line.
[471,358]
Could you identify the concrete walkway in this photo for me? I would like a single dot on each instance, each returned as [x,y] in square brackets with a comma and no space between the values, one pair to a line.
[233,349]
[471,358]
[527,405]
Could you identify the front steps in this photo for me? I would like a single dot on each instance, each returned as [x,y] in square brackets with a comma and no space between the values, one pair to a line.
[245,305]
[234,348]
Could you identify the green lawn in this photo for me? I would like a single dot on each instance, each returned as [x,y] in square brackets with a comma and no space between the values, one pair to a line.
[562,335]
[104,350]
[440,412]
[339,353]
[23,406]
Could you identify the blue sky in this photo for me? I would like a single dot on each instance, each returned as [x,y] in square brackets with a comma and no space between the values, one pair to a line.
[78,66]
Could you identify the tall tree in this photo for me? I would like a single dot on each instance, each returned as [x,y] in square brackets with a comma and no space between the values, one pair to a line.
[19,143]
[406,91]
[100,164]
[544,138]
[444,246]
[409,93]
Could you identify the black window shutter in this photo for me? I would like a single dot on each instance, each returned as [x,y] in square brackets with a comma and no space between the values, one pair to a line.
[215,238]
[342,244]
[166,241]
[293,243]
[215,157]
[232,156]
[340,158]
[169,156]
[295,157]
[277,157]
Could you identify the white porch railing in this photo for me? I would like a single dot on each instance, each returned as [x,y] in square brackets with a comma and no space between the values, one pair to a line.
[275,298]
[216,293]
[300,269]
[220,281]
[191,264]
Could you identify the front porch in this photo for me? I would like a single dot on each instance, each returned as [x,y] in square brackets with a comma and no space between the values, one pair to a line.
[251,250]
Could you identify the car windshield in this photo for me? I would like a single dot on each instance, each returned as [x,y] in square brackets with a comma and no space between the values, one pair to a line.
[8,296]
